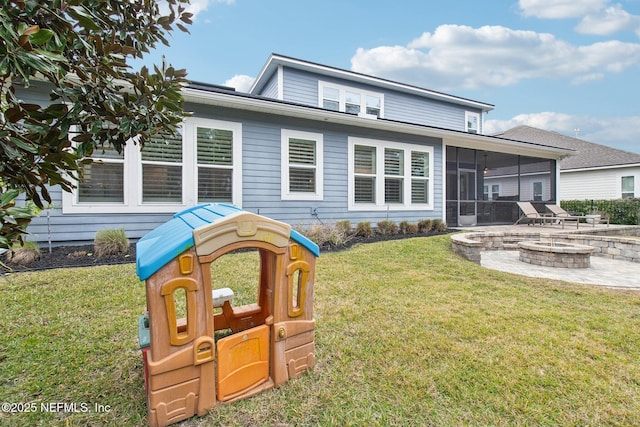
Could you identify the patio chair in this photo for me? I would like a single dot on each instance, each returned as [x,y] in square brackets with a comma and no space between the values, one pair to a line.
[561,215]
[530,214]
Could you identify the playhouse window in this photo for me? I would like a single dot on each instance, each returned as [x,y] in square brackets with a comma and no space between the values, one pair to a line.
[180,304]
[297,274]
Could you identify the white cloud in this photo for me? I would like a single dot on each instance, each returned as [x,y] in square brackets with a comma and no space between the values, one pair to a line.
[240,82]
[457,57]
[196,6]
[560,9]
[609,21]
[618,132]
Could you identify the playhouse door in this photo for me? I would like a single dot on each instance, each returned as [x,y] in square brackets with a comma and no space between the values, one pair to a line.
[243,362]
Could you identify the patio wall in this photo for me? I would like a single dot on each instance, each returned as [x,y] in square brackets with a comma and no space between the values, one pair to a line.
[471,245]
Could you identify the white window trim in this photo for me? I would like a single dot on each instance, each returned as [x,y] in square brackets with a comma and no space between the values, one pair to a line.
[467,115]
[343,89]
[380,205]
[287,134]
[133,176]
[635,184]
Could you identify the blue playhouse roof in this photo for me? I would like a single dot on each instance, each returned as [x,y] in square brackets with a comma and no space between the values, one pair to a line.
[170,239]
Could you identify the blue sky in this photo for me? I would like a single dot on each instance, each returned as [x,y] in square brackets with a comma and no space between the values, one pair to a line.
[559,65]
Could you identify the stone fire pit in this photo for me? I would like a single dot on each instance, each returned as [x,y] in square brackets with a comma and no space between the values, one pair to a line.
[551,254]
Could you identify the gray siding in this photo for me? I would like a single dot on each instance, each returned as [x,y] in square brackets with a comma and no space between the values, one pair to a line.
[261,182]
[302,87]
[270,90]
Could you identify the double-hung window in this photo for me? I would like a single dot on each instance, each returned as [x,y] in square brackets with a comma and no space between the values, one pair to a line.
[302,165]
[200,163]
[628,187]
[389,175]
[472,122]
[103,180]
[215,164]
[162,169]
[350,100]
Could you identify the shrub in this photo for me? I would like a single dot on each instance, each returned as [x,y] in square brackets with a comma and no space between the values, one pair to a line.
[408,228]
[387,227]
[424,225]
[25,254]
[343,227]
[110,242]
[322,234]
[363,229]
[438,225]
[619,211]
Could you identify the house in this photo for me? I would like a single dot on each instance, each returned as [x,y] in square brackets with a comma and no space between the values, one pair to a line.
[309,143]
[595,172]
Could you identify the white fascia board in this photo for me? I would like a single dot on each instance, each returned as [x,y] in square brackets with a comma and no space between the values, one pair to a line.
[450,137]
[597,168]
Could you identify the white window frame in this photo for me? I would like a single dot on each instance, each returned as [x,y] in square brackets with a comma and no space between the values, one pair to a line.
[533,190]
[380,205]
[635,185]
[133,175]
[286,135]
[468,118]
[342,101]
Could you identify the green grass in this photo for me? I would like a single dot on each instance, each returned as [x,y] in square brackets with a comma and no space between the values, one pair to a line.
[407,334]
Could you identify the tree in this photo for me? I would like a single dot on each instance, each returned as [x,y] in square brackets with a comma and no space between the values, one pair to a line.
[79,50]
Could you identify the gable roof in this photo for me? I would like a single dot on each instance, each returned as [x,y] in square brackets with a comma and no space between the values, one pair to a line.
[276,60]
[588,155]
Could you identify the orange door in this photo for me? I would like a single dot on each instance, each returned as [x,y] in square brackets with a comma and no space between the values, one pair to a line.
[243,362]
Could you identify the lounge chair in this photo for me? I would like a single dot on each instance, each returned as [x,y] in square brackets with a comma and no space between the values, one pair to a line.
[561,216]
[530,214]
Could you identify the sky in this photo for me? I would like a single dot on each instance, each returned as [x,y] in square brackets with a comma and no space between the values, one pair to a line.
[569,66]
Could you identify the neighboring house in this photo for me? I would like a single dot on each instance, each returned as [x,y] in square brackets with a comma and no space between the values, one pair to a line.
[308,144]
[595,172]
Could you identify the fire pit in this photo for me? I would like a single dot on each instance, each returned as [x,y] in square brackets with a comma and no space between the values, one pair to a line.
[551,254]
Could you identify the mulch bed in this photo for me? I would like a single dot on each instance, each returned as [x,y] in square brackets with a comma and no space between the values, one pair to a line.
[83,256]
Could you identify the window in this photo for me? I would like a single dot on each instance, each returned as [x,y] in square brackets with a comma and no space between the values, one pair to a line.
[215,165]
[628,187]
[331,98]
[537,191]
[350,100]
[365,174]
[162,169]
[393,175]
[199,164]
[495,191]
[472,122]
[103,180]
[419,177]
[485,192]
[387,175]
[302,175]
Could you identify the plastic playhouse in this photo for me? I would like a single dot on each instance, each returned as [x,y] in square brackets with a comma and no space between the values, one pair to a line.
[188,368]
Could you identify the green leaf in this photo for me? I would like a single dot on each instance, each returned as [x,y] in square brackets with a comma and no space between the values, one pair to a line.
[41,37]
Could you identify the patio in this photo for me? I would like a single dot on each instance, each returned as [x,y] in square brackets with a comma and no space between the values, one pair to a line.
[616,263]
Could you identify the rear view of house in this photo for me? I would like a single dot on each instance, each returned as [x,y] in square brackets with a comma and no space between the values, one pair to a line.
[311,143]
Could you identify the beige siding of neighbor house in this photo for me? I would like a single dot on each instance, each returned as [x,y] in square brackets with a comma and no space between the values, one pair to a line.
[594,184]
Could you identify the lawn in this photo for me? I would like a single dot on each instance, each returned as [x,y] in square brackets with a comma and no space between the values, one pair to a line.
[407,333]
